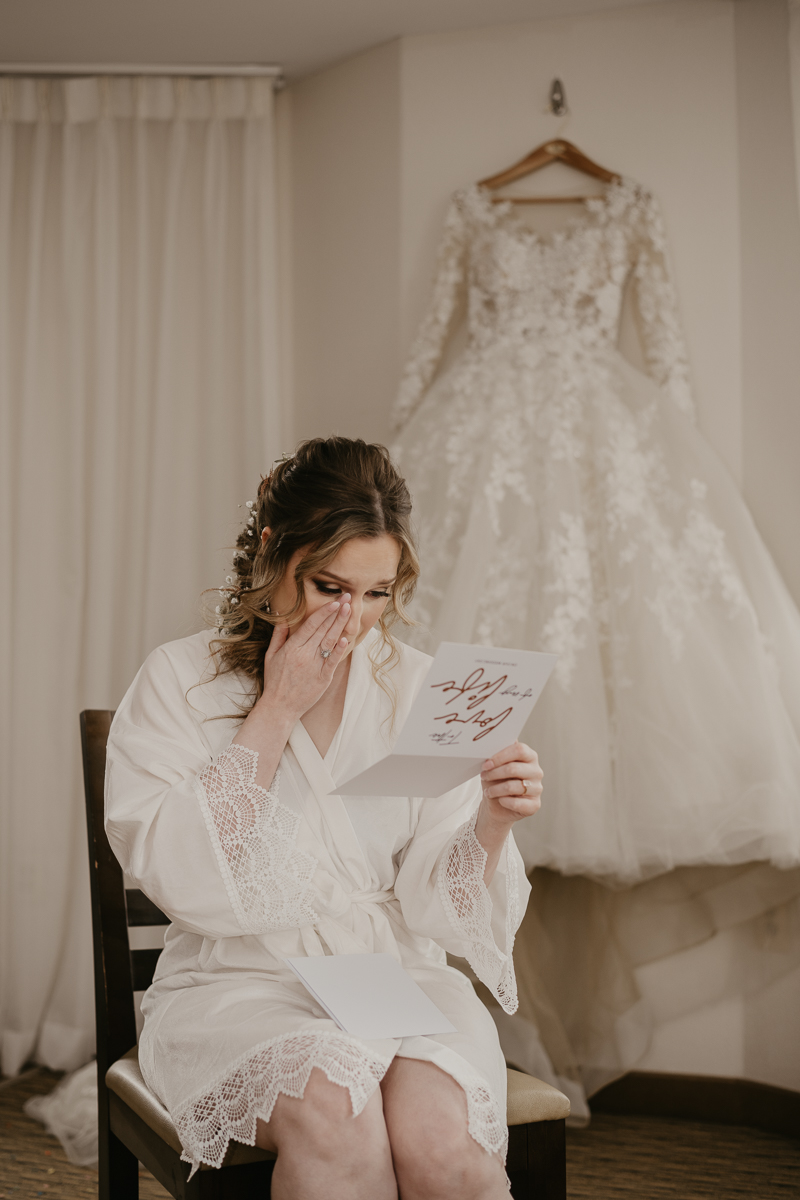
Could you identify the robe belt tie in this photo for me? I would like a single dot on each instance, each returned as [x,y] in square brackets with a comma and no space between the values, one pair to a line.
[382,897]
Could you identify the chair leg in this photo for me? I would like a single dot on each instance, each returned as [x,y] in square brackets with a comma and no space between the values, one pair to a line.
[118,1169]
[537,1161]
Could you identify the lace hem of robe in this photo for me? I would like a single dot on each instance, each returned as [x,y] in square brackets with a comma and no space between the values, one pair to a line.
[248,1091]
[268,880]
[485,1122]
[468,905]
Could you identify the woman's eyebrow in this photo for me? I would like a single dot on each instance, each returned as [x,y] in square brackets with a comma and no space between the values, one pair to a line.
[345,583]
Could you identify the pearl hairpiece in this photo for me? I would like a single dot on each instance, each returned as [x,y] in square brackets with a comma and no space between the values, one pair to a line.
[251,520]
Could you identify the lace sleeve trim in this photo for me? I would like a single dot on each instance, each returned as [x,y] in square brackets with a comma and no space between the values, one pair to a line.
[247,1092]
[267,878]
[428,345]
[468,905]
[662,336]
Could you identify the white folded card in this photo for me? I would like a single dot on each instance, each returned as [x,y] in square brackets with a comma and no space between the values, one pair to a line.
[474,702]
[370,995]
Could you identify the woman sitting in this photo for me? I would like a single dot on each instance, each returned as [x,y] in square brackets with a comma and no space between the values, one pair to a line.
[221,761]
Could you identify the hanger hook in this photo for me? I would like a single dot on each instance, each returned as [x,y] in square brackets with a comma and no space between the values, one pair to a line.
[558,98]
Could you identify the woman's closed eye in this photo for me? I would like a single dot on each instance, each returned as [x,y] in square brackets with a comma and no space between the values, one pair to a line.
[333,589]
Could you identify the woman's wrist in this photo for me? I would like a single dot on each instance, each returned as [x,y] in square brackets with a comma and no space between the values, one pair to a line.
[491,833]
[491,829]
[266,731]
[276,718]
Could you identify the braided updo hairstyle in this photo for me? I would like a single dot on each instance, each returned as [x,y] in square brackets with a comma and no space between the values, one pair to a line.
[329,491]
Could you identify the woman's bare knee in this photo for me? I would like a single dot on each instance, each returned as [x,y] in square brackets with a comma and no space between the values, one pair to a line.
[441,1162]
[324,1150]
[322,1122]
[434,1154]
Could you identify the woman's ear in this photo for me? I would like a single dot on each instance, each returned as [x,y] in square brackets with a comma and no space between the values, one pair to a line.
[265,532]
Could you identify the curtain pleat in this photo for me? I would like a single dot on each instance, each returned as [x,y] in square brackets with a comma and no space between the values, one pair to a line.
[138,408]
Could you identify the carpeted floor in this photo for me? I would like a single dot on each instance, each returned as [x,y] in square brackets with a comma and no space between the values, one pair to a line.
[648,1158]
[616,1158]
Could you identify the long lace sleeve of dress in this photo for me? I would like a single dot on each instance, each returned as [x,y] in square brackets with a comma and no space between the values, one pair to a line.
[429,343]
[657,303]
[468,905]
[267,878]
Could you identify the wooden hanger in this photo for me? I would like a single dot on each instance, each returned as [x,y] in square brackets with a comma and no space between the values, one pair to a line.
[558,150]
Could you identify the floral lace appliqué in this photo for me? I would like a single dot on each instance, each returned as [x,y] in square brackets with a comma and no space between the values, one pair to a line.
[571,580]
[230,1110]
[535,446]
[267,878]
[468,905]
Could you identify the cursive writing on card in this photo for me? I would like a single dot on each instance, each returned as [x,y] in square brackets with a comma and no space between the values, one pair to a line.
[464,700]
[446,737]
[474,701]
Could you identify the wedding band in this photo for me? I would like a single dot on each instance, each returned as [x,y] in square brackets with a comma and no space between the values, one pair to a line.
[525,783]
[325,653]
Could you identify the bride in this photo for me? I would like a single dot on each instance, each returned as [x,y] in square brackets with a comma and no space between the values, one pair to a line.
[221,761]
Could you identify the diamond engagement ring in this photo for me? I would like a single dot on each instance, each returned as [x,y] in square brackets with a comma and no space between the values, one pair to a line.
[325,653]
[525,783]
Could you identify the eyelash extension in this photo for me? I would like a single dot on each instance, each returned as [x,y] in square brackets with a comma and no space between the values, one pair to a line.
[333,590]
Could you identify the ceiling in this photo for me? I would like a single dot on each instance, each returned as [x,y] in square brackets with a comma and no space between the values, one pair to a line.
[300,35]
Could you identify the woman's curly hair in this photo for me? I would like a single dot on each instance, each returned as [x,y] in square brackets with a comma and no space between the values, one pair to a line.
[328,492]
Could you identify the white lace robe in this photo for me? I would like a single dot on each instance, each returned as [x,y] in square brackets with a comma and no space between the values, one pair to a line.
[250,877]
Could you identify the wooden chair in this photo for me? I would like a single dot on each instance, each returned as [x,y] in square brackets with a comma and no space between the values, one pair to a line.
[134,1125]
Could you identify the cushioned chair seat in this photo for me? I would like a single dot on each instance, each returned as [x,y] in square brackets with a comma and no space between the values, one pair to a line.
[528,1100]
[531,1100]
[125,1078]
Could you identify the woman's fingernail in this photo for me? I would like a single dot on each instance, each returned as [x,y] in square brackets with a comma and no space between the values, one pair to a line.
[488,765]
[334,604]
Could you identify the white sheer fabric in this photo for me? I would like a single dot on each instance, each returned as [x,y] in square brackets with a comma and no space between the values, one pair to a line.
[138,401]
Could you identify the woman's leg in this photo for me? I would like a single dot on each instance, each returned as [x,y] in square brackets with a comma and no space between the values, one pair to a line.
[324,1152]
[434,1156]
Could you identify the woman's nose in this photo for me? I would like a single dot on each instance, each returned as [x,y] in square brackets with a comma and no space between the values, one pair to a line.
[353,625]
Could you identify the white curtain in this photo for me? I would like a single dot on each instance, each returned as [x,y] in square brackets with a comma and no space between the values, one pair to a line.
[138,405]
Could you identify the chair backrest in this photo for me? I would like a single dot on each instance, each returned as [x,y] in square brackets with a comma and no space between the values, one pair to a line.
[118,970]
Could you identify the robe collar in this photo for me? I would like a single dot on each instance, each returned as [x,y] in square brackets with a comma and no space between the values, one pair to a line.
[329,814]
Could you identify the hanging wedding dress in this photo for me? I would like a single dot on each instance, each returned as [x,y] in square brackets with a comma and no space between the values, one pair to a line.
[567,502]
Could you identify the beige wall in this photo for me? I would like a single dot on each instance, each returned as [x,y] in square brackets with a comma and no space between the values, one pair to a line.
[345,166]
[770,296]
[690,97]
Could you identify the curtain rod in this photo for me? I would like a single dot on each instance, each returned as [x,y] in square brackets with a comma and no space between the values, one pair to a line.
[253,69]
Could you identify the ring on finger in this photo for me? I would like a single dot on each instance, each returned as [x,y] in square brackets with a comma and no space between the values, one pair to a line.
[525,783]
[325,653]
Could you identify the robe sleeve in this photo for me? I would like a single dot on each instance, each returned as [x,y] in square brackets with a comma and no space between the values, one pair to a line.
[657,306]
[442,894]
[428,345]
[216,852]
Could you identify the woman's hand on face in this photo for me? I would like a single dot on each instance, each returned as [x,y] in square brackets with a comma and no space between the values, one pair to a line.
[296,673]
[512,786]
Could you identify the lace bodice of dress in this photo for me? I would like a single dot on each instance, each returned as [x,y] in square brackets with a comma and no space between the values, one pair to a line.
[557,295]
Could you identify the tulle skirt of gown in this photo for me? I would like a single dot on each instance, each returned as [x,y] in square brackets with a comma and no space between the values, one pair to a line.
[573,508]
